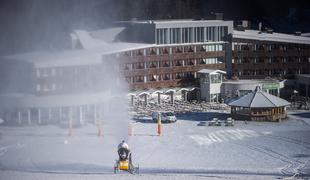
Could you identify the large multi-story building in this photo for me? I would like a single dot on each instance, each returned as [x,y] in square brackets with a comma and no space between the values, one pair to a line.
[58,85]
[180,50]
[53,86]
[258,54]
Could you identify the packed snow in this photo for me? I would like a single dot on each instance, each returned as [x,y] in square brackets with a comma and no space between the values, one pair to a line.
[252,150]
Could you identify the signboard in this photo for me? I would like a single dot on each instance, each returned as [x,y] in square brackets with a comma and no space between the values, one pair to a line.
[271,85]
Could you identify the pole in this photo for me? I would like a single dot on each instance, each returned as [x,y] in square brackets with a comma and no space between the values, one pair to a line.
[99,128]
[70,123]
[159,128]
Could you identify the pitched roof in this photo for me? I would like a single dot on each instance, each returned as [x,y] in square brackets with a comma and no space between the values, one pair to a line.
[259,99]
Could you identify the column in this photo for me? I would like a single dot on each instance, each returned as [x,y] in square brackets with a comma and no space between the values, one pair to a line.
[39,116]
[145,100]
[81,115]
[278,92]
[185,95]
[60,114]
[158,98]
[95,114]
[19,118]
[144,79]
[29,116]
[132,100]
[171,98]
[307,90]
[49,114]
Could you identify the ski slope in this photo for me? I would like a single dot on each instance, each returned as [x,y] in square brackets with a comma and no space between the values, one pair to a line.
[184,150]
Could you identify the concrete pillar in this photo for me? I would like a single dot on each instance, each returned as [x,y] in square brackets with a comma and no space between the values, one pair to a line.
[19,118]
[60,114]
[145,100]
[49,114]
[158,98]
[145,79]
[39,116]
[171,98]
[95,114]
[132,100]
[29,116]
[81,114]
[185,96]
[278,92]
[307,90]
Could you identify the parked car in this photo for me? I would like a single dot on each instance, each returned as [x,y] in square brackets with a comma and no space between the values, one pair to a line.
[166,116]
[202,123]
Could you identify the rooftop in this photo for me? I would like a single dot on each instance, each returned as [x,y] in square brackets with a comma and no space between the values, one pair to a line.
[275,37]
[259,99]
[211,71]
[75,56]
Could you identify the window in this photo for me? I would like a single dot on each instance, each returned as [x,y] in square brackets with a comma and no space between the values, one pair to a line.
[215,78]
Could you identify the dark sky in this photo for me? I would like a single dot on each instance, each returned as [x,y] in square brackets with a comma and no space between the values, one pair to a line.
[28,25]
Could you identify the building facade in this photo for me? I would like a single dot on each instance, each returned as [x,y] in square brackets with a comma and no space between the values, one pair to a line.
[257,55]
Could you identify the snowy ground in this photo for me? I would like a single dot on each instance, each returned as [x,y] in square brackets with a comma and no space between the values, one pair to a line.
[257,150]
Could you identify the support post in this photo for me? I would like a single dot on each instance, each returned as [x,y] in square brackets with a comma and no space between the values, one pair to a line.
[70,122]
[49,114]
[185,96]
[19,118]
[39,116]
[132,100]
[29,116]
[95,113]
[145,100]
[60,114]
[81,115]
[158,98]
[171,98]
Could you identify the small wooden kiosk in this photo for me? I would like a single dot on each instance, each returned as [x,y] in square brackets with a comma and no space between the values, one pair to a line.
[259,106]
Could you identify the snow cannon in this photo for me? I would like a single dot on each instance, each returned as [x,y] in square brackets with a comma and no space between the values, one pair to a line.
[124,162]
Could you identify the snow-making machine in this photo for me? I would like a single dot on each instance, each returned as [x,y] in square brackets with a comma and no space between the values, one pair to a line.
[124,162]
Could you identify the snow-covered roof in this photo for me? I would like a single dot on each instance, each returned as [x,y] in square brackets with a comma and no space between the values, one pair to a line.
[108,34]
[33,101]
[275,37]
[259,99]
[76,56]
[161,91]
[211,71]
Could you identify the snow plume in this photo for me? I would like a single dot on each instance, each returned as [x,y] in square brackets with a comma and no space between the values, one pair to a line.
[115,112]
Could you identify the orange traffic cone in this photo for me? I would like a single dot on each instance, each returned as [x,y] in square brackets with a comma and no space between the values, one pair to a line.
[159,128]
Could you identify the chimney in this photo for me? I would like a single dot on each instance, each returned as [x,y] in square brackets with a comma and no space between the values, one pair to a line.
[260,24]
[219,16]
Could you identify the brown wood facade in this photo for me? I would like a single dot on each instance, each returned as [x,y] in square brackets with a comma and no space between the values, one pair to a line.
[257,59]
[259,114]
[171,66]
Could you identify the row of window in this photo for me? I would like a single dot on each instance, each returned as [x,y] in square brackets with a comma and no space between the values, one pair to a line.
[156,64]
[174,50]
[272,72]
[161,77]
[190,34]
[211,78]
[266,47]
[271,60]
